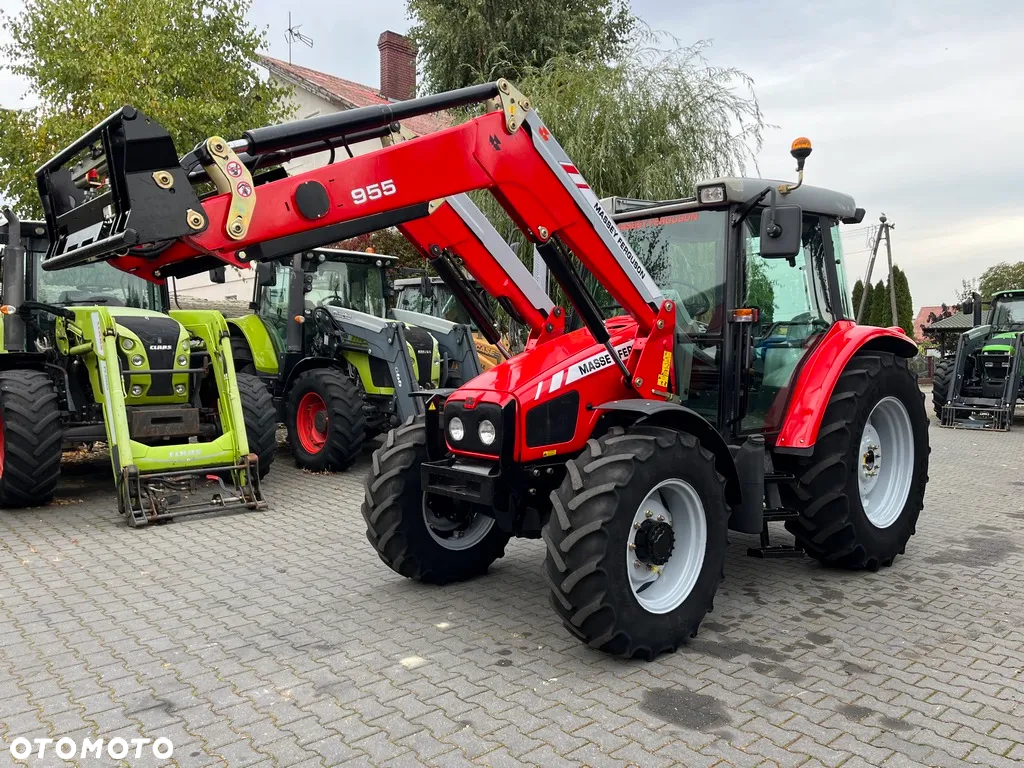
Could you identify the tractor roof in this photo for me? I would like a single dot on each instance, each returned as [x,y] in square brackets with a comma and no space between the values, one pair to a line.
[738,190]
[1008,293]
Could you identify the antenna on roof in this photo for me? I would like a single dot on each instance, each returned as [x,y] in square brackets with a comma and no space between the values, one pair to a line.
[292,34]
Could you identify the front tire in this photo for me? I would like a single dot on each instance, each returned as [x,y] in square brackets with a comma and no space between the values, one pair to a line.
[602,543]
[326,422]
[409,538]
[260,421]
[941,382]
[861,492]
[30,439]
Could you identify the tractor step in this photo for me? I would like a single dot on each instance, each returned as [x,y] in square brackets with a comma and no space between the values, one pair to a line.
[766,550]
[152,497]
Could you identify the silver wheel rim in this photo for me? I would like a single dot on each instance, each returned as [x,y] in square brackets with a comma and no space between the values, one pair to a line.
[885,464]
[453,535]
[663,588]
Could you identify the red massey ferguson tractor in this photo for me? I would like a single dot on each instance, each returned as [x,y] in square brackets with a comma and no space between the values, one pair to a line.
[708,376]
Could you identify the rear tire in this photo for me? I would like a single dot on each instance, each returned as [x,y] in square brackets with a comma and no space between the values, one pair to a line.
[834,526]
[397,519]
[30,439]
[941,382]
[326,422]
[260,420]
[599,511]
[242,356]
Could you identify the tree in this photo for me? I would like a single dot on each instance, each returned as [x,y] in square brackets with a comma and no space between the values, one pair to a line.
[858,293]
[462,42]
[967,289]
[904,301]
[1001,277]
[869,290]
[880,313]
[388,242]
[186,63]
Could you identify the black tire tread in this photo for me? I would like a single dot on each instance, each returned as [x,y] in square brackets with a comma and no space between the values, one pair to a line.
[587,500]
[941,381]
[346,418]
[32,438]
[826,528]
[260,420]
[242,355]
[395,463]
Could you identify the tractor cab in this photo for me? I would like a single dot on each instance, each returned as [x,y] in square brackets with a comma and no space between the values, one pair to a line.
[980,386]
[748,316]
[430,295]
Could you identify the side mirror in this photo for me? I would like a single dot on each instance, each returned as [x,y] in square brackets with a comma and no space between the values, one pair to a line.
[781,227]
[967,307]
[266,274]
[426,287]
[217,275]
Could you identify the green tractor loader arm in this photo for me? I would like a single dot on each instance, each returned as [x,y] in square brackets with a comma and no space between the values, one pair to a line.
[455,341]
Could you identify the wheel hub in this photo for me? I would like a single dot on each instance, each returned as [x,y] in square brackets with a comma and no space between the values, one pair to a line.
[654,542]
[320,421]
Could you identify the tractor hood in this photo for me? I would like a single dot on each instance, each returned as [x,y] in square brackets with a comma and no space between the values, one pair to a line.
[557,363]
[532,405]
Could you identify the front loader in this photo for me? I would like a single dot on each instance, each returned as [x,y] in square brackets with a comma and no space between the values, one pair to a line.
[92,354]
[632,444]
[338,368]
[980,385]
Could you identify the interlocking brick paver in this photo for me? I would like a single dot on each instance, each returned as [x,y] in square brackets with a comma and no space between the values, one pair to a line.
[277,638]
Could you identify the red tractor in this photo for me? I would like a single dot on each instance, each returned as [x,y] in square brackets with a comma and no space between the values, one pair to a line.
[714,381]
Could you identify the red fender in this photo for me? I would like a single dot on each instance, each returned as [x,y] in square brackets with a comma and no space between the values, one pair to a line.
[820,372]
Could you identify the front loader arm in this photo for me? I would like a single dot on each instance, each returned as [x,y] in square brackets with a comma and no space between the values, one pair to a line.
[509,152]
[456,227]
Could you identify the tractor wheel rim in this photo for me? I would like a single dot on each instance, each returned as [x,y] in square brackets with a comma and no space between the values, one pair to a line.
[312,408]
[456,535]
[885,462]
[662,587]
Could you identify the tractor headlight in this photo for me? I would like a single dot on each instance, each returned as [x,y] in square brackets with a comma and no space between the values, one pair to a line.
[456,430]
[136,390]
[182,361]
[127,345]
[138,360]
[486,432]
[179,389]
[185,344]
[711,195]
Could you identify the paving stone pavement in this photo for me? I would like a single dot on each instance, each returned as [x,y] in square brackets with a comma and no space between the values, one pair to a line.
[279,639]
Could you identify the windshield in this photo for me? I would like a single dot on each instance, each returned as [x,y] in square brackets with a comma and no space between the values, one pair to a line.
[354,286]
[96,283]
[1008,313]
[685,255]
[441,304]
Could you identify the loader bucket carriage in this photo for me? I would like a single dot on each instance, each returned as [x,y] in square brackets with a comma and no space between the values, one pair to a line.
[981,385]
[718,384]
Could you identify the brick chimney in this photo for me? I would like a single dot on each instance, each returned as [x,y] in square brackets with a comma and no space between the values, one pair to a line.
[397,66]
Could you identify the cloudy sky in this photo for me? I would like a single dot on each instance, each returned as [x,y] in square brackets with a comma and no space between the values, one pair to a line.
[914,108]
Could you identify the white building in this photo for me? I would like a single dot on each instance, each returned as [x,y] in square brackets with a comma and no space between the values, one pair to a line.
[316,93]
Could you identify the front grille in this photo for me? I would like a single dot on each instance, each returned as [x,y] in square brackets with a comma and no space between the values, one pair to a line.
[553,422]
[154,331]
[423,347]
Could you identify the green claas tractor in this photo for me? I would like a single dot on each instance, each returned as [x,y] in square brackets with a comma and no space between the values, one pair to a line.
[978,388]
[93,354]
[339,369]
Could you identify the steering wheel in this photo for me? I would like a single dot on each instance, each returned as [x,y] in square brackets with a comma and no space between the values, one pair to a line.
[699,302]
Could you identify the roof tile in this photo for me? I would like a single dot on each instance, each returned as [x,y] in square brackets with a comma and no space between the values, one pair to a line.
[348,95]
